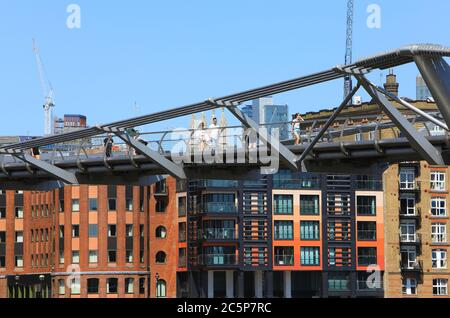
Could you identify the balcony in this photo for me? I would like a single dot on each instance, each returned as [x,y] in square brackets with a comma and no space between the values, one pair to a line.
[284,260]
[410,239]
[219,234]
[218,260]
[411,267]
[219,208]
[415,214]
[410,186]
[369,185]
[297,184]
[217,184]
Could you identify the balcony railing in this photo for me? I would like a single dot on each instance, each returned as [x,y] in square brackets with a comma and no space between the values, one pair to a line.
[219,234]
[218,259]
[369,185]
[410,186]
[367,235]
[415,266]
[284,260]
[219,207]
[410,238]
[408,214]
[293,184]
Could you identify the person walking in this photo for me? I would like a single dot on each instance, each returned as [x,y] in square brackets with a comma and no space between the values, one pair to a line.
[108,144]
[214,131]
[296,127]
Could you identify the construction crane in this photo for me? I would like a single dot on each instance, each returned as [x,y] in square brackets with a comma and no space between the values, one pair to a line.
[47,90]
[348,85]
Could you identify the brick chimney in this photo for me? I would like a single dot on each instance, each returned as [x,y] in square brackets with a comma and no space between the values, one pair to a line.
[391,84]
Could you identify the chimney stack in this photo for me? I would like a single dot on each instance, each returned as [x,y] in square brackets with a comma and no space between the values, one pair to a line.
[391,84]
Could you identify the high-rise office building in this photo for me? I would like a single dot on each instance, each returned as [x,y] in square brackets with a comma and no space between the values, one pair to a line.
[264,112]
[422,91]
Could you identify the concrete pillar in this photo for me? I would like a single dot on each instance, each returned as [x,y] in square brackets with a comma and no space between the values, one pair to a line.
[287,285]
[268,284]
[259,284]
[210,284]
[230,284]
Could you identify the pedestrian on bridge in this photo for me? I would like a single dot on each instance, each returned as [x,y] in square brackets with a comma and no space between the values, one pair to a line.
[297,119]
[108,144]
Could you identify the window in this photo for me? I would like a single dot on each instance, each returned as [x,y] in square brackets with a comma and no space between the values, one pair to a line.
[310,256]
[19,212]
[129,230]
[129,285]
[61,287]
[93,257]
[161,205]
[310,230]
[160,258]
[112,230]
[2,261]
[2,237]
[112,256]
[309,205]
[128,256]
[440,287]
[19,237]
[182,257]
[129,205]
[75,257]
[161,232]
[92,285]
[338,281]
[438,207]
[75,286]
[408,256]
[284,230]
[2,212]
[75,231]
[61,206]
[75,205]
[61,231]
[366,205]
[438,233]
[367,231]
[93,230]
[437,181]
[359,137]
[283,204]
[93,204]
[19,261]
[141,230]
[161,289]
[367,256]
[181,206]
[407,205]
[409,286]
[112,206]
[182,232]
[407,177]
[439,259]
[408,232]
[111,285]
[141,286]
[61,257]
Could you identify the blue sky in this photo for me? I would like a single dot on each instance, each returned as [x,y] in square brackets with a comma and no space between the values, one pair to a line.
[164,54]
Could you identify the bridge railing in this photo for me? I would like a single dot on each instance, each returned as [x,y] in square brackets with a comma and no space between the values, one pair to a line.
[349,129]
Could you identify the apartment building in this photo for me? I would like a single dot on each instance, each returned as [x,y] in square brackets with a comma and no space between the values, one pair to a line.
[76,242]
[288,235]
[416,232]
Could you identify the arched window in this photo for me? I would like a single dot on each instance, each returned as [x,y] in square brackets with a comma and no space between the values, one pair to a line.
[160,258]
[161,289]
[161,232]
